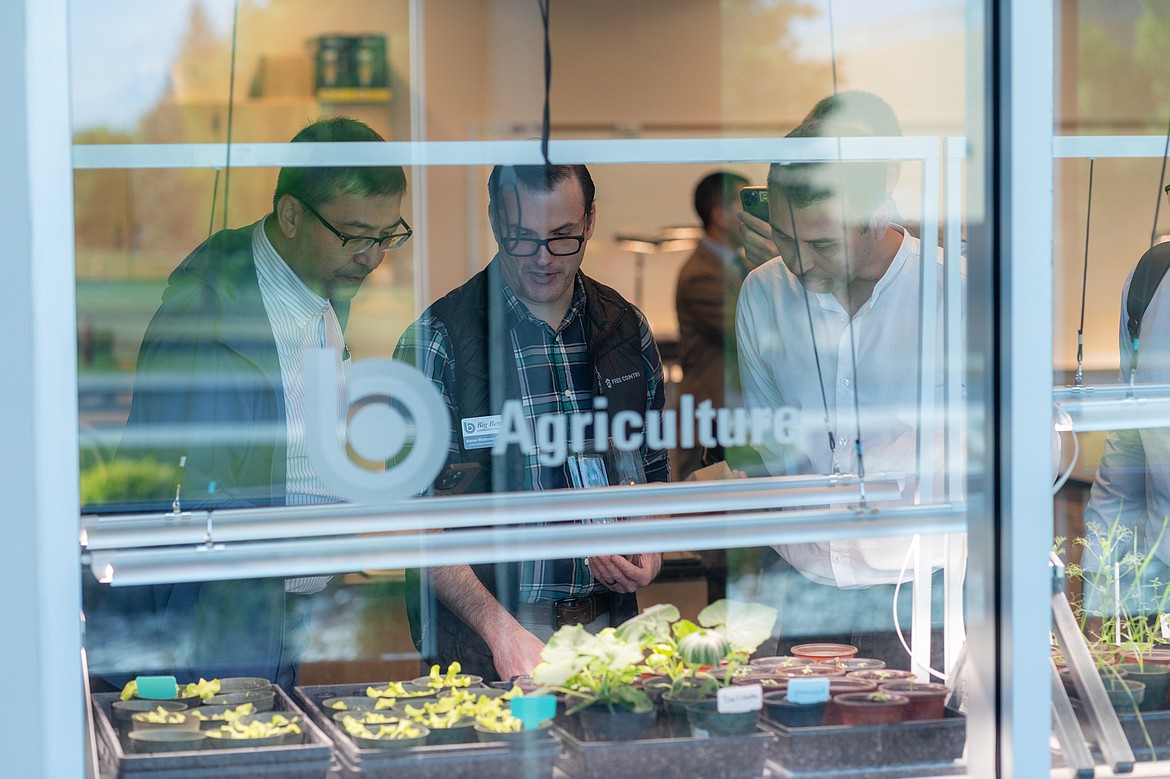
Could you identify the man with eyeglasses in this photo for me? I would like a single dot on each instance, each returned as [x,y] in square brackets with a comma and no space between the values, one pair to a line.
[219,388]
[532,328]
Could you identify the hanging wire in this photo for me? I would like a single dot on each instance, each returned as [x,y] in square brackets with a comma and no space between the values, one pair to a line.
[812,334]
[227,168]
[214,193]
[1161,183]
[832,46]
[1080,377]
[545,126]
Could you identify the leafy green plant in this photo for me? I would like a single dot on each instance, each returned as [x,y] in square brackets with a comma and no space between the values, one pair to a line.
[727,633]
[1121,603]
[598,669]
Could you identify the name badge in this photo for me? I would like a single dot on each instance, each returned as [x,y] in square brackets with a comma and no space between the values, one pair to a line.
[480,432]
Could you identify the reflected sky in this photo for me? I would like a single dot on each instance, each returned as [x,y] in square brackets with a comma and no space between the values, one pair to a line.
[121,52]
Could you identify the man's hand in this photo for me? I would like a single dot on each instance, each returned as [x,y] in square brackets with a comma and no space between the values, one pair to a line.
[756,235]
[515,651]
[622,575]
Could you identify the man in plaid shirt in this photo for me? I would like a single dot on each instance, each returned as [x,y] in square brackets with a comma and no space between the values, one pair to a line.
[532,329]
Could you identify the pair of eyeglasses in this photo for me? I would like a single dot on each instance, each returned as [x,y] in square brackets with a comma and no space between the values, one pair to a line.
[356,244]
[558,245]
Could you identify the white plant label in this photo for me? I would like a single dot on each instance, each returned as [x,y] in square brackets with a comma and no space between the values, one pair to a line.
[740,698]
[1164,621]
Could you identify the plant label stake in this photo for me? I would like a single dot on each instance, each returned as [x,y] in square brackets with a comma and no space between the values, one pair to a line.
[161,687]
[740,698]
[534,709]
[808,690]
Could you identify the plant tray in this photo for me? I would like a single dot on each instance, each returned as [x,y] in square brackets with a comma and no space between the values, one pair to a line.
[722,757]
[908,748]
[310,760]
[1156,724]
[452,761]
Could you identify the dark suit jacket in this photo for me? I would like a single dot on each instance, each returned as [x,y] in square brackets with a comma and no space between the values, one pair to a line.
[705,299]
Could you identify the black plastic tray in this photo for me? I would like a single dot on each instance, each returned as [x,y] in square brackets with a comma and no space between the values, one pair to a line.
[310,760]
[451,761]
[717,757]
[1136,727]
[928,747]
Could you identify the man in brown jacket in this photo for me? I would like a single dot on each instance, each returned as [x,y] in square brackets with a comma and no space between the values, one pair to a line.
[708,287]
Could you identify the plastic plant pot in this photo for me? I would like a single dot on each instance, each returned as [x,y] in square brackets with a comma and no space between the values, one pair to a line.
[261,700]
[821,652]
[882,676]
[349,703]
[676,722]
[124,710]
[777,708]
[769,681]
[183,721]
[167,740]
[460,733]
[779,661]
[190,701]
[706,719]
[212,716]
[871,708]
[857,664]
[518,738]
[393,743]
[927,701]
[617,723]
[655,687]
[473,681]
[814,671]
[844,686]
[367,717]
[1155,677]
[1106,673]
[242,684]
[1126,695]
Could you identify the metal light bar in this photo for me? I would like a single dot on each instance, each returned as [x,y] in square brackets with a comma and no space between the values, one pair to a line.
[1115,407]
[477,510]
[601,151]
[1105,146]
[305,557]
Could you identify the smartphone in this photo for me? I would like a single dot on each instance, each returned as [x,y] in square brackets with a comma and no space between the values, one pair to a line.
[755,201]
[459,478]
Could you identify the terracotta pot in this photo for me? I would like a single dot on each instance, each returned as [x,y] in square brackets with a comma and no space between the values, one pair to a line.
[1155,656]
[843,686]
[815,671]
[882,675]
[780,661]
[856,664]
[822,652]
[860,708]
[927,701]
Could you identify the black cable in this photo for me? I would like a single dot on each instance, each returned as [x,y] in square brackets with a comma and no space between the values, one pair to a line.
[1161,183]
[214,194]
[545,126]
[227,169]
[812,334]
[832,46]
[1080,376]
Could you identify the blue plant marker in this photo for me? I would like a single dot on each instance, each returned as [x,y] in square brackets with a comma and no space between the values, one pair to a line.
[534,709]
[158,687]
[808,690]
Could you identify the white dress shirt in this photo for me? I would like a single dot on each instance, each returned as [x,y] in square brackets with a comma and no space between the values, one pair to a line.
[300,319]
[778,367]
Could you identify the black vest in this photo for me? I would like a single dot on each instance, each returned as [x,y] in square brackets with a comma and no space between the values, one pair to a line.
[477,323]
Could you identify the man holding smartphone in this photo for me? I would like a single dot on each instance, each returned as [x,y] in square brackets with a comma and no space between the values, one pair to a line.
[828,327]
[531,329]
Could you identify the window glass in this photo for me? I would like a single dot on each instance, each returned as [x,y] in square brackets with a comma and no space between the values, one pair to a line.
[366,397]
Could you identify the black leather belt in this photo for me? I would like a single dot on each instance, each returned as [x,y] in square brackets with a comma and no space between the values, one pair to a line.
[567,611]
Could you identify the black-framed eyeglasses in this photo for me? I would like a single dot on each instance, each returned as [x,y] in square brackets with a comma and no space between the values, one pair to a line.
[356,244]
[558,245]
